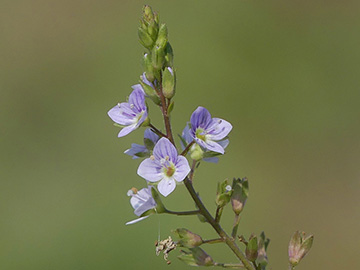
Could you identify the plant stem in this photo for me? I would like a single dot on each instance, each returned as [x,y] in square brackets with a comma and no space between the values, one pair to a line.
[182,213]
[229,265]
[229,241]
[191,175]
[158,132]
[235,226]
[218,214]
[186,150]
[213,241]
[164,110]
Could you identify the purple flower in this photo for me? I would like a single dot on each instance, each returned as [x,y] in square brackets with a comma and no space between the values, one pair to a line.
[166,166]
[130,114]
[142,201]
[208,156]
[137,150]
[207,131]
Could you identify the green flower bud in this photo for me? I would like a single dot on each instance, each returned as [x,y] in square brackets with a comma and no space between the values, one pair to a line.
[252,249]
[168,82]
[197,257]
[145,38]
[196,153]
[240,194]
[149,69]
[148,14]
[153,29]
[169,55]
[158,57]
[187,238]
[223,193]
[299,246]
[162,38]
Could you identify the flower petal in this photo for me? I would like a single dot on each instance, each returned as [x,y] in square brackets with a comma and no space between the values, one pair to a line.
[137,98]
[148,134]
[166,186]
[164,148]
[200,118]
[150,170]
[219,129]
[135,220]
[135,149]
[182,169]
[214,146]
[121,114]
[126,130]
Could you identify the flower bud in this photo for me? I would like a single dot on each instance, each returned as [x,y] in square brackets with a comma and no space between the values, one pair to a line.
[252,248]
[196,153]
[145,38]
[187,238]
[149,69]
[197,257]
[158,57]
[263,243]
[299,246]
[148,14]
[162,37]
[168,82]
[169,55]
[240,194]
[223,193]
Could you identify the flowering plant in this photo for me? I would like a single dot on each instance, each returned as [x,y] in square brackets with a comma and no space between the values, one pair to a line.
[164,166]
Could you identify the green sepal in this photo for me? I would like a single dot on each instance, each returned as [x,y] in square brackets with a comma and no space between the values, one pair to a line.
[162,37]
[252,249]
[223,194]
[149,69]
[158,57]
[187,238]
[262,259]
[240,194]
[170,108]
[145,38]
[197,257]
[118,125]
[160,208]
[151,93]
[149,144]
[169,55]
[168,82]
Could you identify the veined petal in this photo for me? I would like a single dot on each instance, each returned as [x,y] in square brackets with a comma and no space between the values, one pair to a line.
[211,159]
[223,143]
[219,129]
[135,220]
[150,170]
[164,148]
[139,87]
[166,186]
[214,146]
[182,169]
[137,98]
[116,114]
[200,118]
[126,130]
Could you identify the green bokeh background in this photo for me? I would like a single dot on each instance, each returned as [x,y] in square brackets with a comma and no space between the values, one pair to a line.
[284,73]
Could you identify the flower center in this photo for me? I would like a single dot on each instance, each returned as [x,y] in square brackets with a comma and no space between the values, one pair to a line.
[201,134]
[170,171]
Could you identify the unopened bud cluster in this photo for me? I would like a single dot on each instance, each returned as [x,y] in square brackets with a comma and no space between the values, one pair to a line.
[158,61]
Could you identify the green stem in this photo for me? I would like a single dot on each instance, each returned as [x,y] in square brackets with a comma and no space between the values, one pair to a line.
[213,241]
[155,130]
[228,240]
[229,265]
[186,150]
[218,214]
[235,226]
[182,213]
[164,110]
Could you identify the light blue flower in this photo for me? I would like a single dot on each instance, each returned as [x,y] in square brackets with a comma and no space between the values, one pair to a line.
[165,166]
[130,114]
[142,201]
[208,132]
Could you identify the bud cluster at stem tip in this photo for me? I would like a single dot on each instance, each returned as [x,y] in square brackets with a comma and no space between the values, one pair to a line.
[158,61]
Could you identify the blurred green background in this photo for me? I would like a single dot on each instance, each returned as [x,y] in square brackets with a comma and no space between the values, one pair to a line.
[284,73]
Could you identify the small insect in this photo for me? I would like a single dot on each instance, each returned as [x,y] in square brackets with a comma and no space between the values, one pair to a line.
[165,246]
